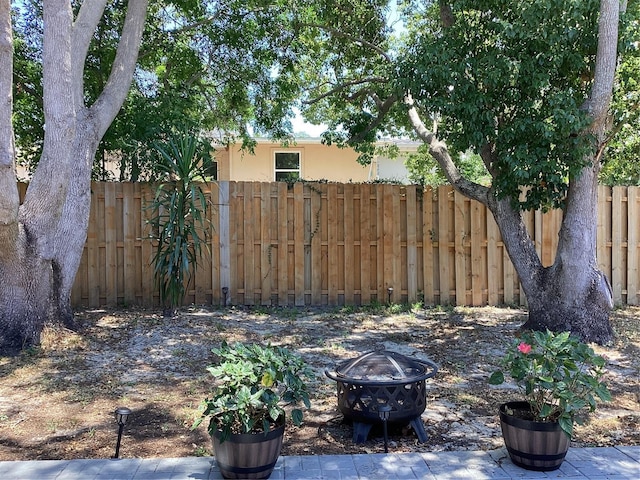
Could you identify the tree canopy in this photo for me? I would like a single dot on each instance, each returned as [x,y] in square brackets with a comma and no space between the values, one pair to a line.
[500,70]
[220,66]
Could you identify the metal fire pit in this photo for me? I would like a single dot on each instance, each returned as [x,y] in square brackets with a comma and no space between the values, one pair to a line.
[380,378]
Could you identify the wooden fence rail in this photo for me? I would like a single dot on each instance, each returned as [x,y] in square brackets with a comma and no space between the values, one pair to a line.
[340,244]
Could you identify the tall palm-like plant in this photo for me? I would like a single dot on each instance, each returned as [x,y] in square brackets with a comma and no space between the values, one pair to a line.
[178,220]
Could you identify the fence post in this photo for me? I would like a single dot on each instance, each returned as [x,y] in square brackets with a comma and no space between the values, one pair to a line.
[225,253]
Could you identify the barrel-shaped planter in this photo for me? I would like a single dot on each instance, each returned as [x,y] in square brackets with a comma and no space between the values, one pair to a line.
[248,455]
[533,445]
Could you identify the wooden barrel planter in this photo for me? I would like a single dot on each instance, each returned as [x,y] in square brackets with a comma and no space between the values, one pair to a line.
[533,445]
[248,455]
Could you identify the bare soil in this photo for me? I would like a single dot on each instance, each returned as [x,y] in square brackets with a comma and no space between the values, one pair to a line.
[57,401]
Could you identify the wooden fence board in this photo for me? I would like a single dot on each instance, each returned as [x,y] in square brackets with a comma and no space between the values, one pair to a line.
[332,244]
[633,242]
[444,229]
[146,248]
[349,246]
[92,247]
[221,253]
[616,245]
[265,244]
[299,225]
[478,245]
[412,245]
[493,262]
[248,217]
[110,245]
[460,236]
[316,246]
[282,245]
[603,245]
[235,231]
[427,246]
[365,245]
[396,245]
[129,222]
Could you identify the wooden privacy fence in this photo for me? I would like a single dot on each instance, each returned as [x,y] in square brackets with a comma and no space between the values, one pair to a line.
[335,244]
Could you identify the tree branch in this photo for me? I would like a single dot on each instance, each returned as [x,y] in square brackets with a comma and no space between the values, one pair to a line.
[343,86]
[383,109]
[438,149]
[115,91]
[337,33]
[446,14]
[9,200]
[84,27]
[597,105]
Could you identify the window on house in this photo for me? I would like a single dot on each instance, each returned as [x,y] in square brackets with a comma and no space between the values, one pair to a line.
[287,166]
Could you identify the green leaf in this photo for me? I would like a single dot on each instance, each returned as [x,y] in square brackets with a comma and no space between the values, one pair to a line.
[566,423]
[296,416]
[496,378]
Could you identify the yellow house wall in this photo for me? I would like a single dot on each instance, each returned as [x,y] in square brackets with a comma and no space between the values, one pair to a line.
[317,162]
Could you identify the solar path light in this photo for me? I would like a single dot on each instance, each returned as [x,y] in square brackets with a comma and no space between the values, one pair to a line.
[384,411]
[122,415]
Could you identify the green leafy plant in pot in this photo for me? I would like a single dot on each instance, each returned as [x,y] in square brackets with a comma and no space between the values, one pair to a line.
[560,378]
[255,386]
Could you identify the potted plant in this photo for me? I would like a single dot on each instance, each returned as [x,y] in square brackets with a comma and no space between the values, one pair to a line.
[254,384]
[560,378]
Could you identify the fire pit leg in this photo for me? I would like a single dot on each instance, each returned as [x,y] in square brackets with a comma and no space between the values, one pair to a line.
[361,432]
[418,427]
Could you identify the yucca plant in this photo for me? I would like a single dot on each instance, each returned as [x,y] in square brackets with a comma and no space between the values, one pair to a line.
[178,220]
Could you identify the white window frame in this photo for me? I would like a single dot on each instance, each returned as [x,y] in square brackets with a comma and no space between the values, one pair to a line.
[277,170]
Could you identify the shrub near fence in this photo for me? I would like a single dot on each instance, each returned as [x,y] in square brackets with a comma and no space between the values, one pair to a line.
[335,244]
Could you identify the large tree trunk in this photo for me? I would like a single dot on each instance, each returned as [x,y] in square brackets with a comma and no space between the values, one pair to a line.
[71,235]
[576,295]
[41,242]
[572,294]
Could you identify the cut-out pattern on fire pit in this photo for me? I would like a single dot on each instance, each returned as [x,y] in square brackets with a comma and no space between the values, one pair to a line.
[378,378]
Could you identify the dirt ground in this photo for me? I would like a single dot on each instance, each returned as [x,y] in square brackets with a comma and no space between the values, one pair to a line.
[57,401]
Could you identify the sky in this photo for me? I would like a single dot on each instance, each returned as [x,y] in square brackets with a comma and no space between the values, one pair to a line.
[300,126]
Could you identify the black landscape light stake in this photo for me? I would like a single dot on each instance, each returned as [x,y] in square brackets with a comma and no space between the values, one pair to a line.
[225,291]
[389,293]
[383,412]
[122,415]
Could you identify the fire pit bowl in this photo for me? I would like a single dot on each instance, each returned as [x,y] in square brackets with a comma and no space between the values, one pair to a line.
[382,378]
